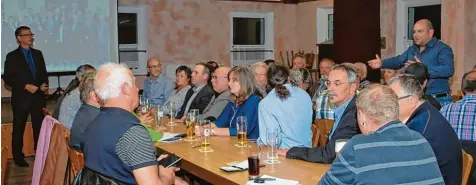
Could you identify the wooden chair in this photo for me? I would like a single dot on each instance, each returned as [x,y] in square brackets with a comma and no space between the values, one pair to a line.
[4,162]
[315,135]
[325,127]
[467,164]
[76,158]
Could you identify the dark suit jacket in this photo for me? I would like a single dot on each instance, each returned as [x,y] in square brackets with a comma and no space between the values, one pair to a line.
[17,75]
[429,122]
[200,101]
[346,129]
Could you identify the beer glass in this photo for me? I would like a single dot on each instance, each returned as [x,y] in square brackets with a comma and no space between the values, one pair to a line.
[172,113]
[241,127]
[339,145]
[273,140]
[191,121]
[205,132]
[159,118]
[254,156]
[145,107]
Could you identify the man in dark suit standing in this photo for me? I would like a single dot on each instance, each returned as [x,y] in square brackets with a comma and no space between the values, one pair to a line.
[201,94]
[25,73]
[342,84]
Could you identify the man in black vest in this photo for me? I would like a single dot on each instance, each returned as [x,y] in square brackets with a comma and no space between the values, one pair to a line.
[25,73]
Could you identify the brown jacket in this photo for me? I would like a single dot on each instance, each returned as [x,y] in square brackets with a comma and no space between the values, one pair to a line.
[57,157]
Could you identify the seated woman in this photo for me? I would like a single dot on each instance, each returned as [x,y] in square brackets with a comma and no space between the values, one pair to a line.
[287,109]
[245,98]
[183,75]
[385,136]
[72,102]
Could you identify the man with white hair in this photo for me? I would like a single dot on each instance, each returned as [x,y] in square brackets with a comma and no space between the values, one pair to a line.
[126,152]
[362,73]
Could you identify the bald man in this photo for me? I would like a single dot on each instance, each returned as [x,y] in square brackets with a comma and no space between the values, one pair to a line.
[157,86]
[434,54]
[221,97]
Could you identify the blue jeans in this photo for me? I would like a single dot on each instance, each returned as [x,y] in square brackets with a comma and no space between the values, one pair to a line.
[445,100]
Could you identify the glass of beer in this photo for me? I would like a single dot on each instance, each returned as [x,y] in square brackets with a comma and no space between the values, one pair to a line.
[159,121]
[191,121]
[205,132]
[241,128]
[339,145]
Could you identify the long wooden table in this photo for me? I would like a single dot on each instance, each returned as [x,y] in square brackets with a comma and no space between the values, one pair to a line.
[207,165]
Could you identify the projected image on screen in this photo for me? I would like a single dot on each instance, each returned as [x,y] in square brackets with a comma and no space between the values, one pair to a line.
[68,32]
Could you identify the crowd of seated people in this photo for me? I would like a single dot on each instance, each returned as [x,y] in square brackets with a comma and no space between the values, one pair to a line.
[270,96]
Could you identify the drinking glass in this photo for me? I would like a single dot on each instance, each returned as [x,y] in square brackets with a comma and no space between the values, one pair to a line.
[241,127]
[159,121]
[172,113]
[254,157]
[205,134]
[273,140]
[191,121]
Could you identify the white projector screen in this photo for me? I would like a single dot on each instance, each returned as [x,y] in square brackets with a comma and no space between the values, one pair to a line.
[68,32]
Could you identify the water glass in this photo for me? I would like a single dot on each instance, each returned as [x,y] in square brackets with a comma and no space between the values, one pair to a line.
[273,140]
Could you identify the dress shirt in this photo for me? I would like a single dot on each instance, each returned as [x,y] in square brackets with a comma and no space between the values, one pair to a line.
[325,108]
[292,118]
[439,59]
[177,96]
[462,117]
[338,112]
[157,90]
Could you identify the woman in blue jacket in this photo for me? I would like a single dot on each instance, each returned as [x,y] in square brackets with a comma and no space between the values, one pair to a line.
[245,98]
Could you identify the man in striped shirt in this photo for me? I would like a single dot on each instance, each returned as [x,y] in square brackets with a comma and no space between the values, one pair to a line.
[462,114]
[388,152]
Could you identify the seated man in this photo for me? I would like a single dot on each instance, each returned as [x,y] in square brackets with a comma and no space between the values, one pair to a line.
[157,86]
[421,73]
[221,97]
[86,113]
[462,114]
[260,70]
[125,152]
[362,73]
[421,116]
[342,84]
[388,152]
[201,94]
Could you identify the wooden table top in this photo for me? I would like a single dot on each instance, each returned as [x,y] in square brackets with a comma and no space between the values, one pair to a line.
[207,165]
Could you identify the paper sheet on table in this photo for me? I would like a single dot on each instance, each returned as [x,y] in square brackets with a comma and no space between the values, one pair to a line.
[278,181]
[168,135]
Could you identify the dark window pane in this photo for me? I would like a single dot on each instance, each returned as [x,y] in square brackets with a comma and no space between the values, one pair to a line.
[248,31]
[127,30]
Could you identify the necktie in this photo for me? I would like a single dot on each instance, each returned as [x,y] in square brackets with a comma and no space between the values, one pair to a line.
[31,63]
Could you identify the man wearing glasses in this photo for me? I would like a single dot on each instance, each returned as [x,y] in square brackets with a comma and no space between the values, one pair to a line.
[25,73]
[419,115]
[157,86]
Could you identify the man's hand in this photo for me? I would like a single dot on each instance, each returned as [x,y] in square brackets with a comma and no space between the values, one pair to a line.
[31,88]
[282,152]
[197,131]
[167,175]
[375,63]
[146,119]
[163,156]
[44,87]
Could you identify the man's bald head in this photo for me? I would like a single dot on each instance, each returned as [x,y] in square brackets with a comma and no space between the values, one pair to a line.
[220,79]
[325,66]
[422,32]
[154,67]
[468,85]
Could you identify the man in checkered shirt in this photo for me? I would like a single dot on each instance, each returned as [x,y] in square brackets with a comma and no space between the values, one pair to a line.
[462,114]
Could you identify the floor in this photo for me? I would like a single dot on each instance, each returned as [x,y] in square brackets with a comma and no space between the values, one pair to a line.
[15,175]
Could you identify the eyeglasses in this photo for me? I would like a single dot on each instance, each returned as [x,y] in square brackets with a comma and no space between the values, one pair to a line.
[403,97]
[28,35]
[216,77]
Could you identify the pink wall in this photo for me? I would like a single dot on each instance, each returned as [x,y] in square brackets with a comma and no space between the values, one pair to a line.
[198,30]
[388,23]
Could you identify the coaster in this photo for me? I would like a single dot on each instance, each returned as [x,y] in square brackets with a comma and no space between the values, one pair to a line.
[242,146]
[205,151]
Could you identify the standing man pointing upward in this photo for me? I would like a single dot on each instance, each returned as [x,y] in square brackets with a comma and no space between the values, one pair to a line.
[434,54]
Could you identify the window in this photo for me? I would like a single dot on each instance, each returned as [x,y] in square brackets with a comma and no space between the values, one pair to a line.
[127,28]
[330,26]
[248,31]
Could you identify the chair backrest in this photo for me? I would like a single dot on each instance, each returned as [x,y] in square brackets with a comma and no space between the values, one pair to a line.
[325,127]
[4,162]
[315,135]
[467,164]
[76,158]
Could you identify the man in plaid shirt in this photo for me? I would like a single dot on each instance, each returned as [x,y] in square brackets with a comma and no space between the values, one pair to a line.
[462,114]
